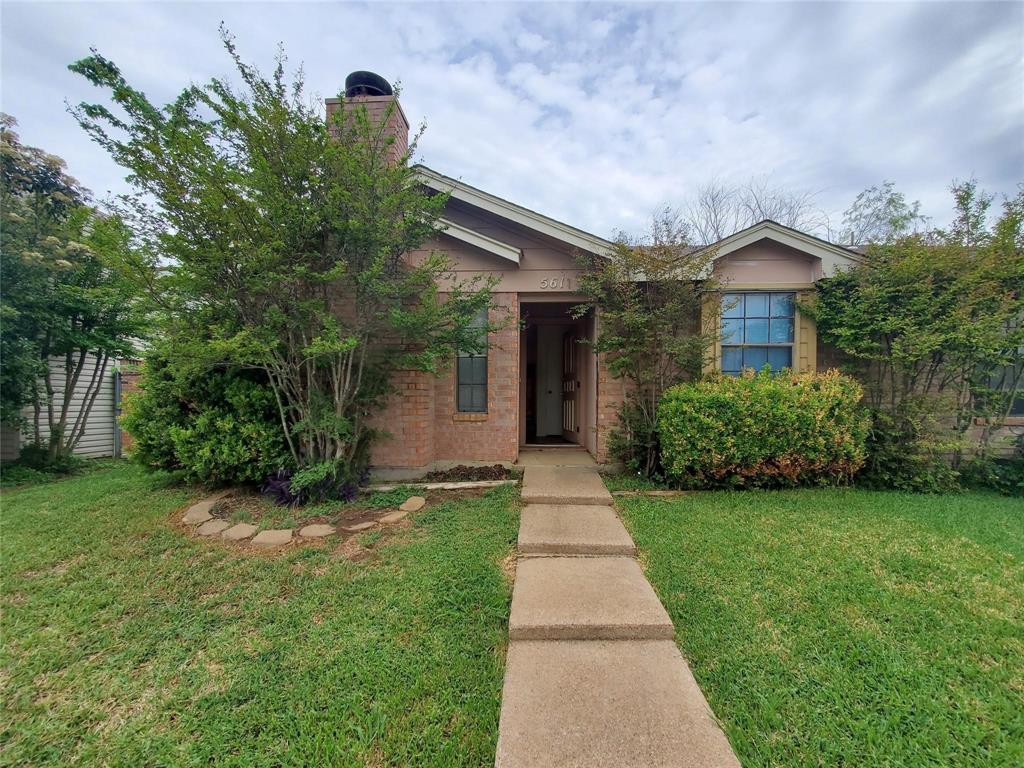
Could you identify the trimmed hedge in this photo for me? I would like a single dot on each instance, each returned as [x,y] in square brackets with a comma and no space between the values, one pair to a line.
[763,430]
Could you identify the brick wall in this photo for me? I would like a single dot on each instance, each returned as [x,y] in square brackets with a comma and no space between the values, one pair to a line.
[377,111]
[491,436]
[610,397]
[129,383]
[422,421]
[408,420]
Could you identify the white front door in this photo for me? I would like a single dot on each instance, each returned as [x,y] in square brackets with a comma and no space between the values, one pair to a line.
[549,380]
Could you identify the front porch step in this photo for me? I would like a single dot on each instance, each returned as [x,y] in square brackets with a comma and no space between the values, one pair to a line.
[563,529]
[564,485]
[555,456]
[628,704]
[585,598]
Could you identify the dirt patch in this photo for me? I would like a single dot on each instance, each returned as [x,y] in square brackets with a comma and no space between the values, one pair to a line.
[466,474]
[508,567]
[350,549]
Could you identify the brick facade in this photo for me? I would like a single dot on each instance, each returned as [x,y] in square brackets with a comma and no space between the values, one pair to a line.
[424,425]
[378,109]
[611,394]
[130,379]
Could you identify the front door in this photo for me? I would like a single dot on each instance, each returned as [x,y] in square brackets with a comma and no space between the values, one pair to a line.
[549,380]
[570,387]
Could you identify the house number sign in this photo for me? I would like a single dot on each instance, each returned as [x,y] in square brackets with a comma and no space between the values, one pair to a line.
[561,283]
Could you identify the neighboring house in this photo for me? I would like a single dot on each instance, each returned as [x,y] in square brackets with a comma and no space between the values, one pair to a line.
[102,435]
[536,384]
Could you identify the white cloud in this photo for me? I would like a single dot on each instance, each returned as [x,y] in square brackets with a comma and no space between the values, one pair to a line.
[593,114]
[531,42]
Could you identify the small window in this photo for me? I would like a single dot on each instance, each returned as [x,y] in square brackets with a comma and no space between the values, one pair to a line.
[757,330]
[471,375]
[1008,380]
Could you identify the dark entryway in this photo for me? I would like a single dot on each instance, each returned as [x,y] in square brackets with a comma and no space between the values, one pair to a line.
[553,379]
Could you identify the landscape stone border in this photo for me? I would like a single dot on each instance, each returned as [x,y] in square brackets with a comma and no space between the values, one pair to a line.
[200,517]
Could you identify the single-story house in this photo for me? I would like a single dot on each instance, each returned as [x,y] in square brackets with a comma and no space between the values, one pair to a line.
[536,385]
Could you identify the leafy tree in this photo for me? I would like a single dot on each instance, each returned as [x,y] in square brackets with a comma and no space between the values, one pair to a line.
[61,300]
[928,319]
[280,241]
[879,215]
[648,296]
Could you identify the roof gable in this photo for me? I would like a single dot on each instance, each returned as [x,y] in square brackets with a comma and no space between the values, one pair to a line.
[569,235]
[833,257]
[481,241]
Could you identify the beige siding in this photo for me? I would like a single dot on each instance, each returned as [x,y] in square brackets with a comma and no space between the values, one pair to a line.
[100,436]
[711,321]
[806,341]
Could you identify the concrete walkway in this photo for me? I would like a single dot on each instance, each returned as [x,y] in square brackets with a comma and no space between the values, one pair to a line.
[593,677]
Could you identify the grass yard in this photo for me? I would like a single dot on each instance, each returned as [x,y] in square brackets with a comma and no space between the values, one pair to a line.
[845,627]
[127,643]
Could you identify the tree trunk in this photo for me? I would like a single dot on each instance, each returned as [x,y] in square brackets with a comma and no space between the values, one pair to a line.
[88,400]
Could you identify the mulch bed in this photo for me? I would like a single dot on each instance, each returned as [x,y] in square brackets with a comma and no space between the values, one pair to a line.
[467,474]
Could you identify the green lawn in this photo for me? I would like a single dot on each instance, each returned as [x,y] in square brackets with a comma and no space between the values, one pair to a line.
[127,643]
[848,628]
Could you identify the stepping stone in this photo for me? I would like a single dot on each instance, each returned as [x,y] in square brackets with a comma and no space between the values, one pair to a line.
[273,538]
[210,527]
[585,598]
[239,532]
[564,485]
[356,527]
[200,511]
[317,531]
[393,517]
[572,530]
[627,704]
[413,504]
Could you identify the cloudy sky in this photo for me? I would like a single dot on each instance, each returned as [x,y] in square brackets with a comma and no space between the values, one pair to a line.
[594,114]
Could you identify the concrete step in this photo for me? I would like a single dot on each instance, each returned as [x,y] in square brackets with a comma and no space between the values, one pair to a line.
[564,529]
[575,456]
[564,485]
[598,704]
[585,598]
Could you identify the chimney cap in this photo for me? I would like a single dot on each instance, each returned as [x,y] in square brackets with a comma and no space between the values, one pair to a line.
[363,83]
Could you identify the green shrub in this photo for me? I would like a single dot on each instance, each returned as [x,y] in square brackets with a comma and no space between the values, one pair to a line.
[762,430]
[999,473]
[634,440]
[910,449]
[19,474]
[37,457]
[34,465]
[210,426]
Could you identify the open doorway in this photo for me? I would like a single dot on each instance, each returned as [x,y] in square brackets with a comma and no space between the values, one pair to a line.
[556,376]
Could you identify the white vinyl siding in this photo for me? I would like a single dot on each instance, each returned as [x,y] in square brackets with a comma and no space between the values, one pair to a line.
[101,430]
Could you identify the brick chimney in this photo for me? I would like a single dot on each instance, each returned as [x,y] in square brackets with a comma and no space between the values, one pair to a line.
[370,91]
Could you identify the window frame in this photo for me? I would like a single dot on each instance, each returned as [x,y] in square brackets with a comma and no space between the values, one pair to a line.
[767,345]
[480,321]
[999,381]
